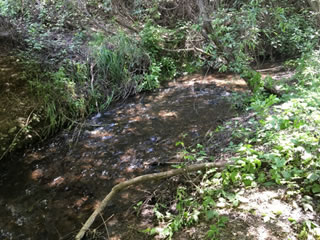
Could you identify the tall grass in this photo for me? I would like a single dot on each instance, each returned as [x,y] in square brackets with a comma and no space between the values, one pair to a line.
[120,64]
[58,93]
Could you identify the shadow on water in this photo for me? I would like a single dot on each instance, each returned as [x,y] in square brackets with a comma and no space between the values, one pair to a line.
[50,191]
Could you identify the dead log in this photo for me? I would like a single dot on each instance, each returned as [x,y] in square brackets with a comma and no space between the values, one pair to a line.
[250,75]
[148,177]
[272,90]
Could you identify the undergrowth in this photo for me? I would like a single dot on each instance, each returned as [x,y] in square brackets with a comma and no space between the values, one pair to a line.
[277,146]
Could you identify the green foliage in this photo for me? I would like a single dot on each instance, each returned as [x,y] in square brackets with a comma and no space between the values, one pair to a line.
[261,103]
[122,65]
[152,38]
[229,54]
[308,72]
[51,11]
[290,134]
[292,33]
[44,26]
[254,80]
[126,67]
[309,228]
[158,41]
[151,80]
[280,146]
[257,31]
[61,101]
[214,232]
[189,210]
[9,7]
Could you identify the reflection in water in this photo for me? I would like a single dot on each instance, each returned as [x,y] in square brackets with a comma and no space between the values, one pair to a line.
[50,192]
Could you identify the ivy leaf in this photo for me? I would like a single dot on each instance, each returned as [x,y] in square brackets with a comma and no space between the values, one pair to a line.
[313,177]
[235,176]
[195,215]
[248,179]
[286,174]
[262,177]
[280,162]
[307,206]
[235,203]
[212,214]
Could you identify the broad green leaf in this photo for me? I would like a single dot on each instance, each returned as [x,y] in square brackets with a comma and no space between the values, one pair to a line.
[211,214]
[313,177]
[307,206]
[316,188]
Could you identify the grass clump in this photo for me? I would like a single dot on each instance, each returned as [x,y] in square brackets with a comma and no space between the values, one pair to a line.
[120,66]
[61,101]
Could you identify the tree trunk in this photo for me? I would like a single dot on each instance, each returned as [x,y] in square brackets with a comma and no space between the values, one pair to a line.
[206,24]
[208,31]
[315,6]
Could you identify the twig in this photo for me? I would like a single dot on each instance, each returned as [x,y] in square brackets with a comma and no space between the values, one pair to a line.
[92,83]
[105,224]
[155,176]
[16,136]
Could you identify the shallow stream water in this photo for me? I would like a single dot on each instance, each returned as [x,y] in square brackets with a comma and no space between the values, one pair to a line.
[50,191]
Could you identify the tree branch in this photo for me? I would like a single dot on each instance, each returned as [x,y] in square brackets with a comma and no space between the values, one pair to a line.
[122,23]
[83,5]
[193,49]
[155,176]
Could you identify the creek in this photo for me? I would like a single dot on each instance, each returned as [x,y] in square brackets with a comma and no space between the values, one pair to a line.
[49,191]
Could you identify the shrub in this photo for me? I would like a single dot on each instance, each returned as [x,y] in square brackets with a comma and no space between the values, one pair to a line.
[260,30]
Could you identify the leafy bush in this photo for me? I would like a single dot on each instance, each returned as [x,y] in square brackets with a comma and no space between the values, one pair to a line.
[308,71]
[153,40]
[290,33]
[257,31]
[9,7]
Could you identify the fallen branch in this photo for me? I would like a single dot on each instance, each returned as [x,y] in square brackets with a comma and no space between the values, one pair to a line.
[272,90]
[155,176]
[267,89]
[122,23]
[193,49]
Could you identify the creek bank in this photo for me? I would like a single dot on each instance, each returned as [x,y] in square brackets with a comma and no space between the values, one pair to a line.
[18,106]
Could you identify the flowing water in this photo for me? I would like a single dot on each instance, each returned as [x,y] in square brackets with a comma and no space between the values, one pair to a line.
[50,191]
